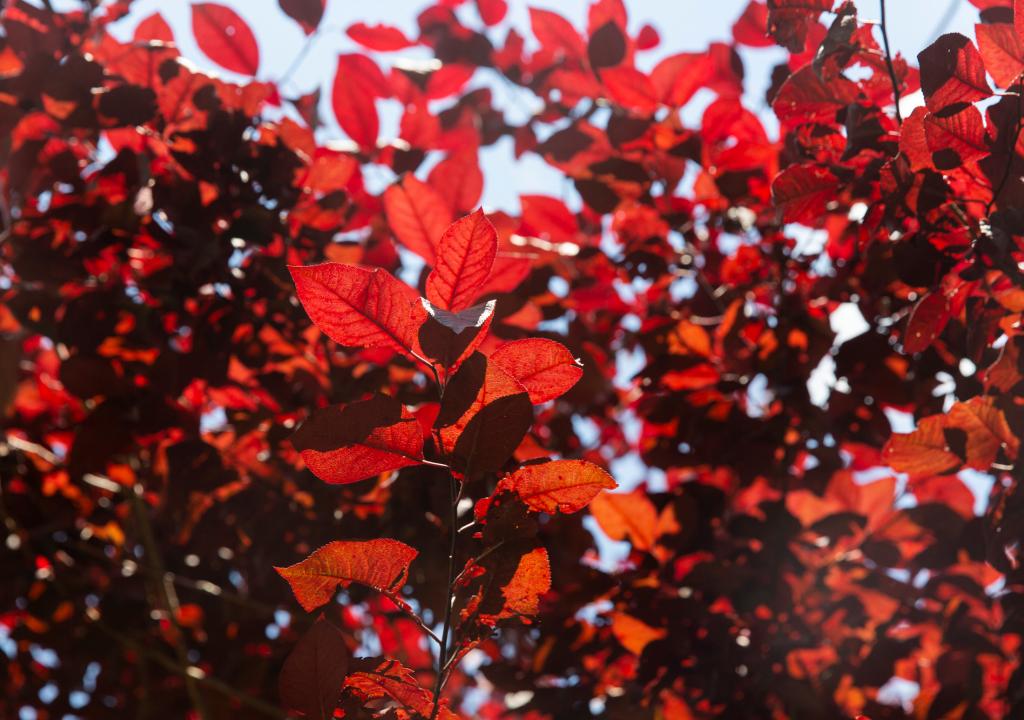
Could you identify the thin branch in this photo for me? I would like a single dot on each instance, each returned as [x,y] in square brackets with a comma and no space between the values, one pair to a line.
[165,593]
[442,657]
[889,65]
[190,673]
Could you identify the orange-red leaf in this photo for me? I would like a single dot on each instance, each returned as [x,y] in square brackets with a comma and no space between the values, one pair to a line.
[923,452]
[634,634]
[627,515]
[382,564]
[359,307]
[417,215]
[558,486]
[531,580]
[465,256]
[348,443]
[544,367]
[397,682]
[225,38]
[484,415]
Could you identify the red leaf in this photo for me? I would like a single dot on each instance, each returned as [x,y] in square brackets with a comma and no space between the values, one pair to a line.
[448,80]
[806,98]
[465,256]
[752,27]
[678,77]
[492,12]
[531,580]
[307,13]
[956,138]
[383,38]
[559,486]
[311,678]
[952,72]
[927,320]
[802,192]
[923,452]
[631,89]
[548,217]
[225,38]
[459,180]
[348,443]
[544,367]
[1018,18]
[555,33]
[1002,50]
[627,515]
[647,38]
[417,215]
[359,307]
[789,21]
[394,681]
[154,27]
[357,83]
[484,416]
[382,564]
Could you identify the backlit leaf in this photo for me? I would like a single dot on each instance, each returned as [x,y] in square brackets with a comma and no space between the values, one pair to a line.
[417,215]
[225,38]
[348,443]
[558,486]
[359,307]
[952,72]
[382,564]
[358,82]
[544,367]
[626,516]
[465,255]
[383,38]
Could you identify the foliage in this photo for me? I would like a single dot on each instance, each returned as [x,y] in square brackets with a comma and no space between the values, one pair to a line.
[212,364]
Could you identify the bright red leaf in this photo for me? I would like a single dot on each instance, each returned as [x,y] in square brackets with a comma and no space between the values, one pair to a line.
[225,38]
[360,307]
[465,255]
[383,38]
[544,367]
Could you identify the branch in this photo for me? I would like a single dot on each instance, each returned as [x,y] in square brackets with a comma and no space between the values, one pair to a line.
[888,64]
[167,598]
[190,673]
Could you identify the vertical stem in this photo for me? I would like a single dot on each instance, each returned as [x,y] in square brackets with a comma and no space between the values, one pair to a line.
[888,63]
[442,656]
[167,599]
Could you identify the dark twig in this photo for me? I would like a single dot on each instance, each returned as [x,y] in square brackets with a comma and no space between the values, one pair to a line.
[888,63]
[442,657]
